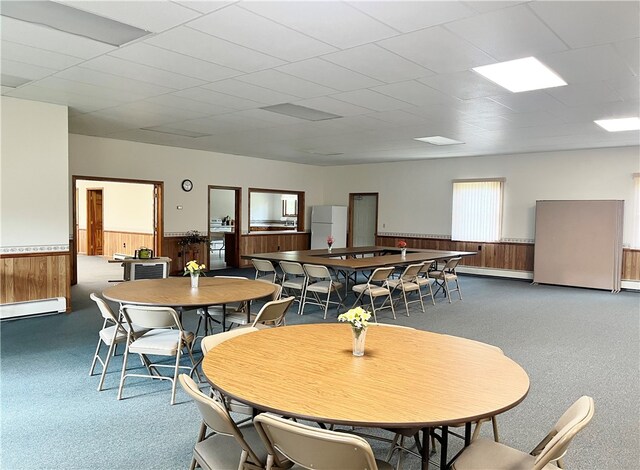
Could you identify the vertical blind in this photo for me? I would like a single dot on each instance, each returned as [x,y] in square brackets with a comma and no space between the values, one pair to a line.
[477,211]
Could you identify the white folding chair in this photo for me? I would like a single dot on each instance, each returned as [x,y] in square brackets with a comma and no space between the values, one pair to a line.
[446,275]
[265,270]
[376,286]
[320,281]
[294,281]
[407,283]
[423,279]
[164,338]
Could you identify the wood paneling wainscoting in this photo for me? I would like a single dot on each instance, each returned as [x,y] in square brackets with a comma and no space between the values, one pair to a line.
[125,242]
[171,249]
[510,256]
[82,241]
[35,276]
[265,242]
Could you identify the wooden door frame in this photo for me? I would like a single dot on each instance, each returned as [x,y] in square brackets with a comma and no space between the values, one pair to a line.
[91,251]
[352,197]
[237,215]
[159,238]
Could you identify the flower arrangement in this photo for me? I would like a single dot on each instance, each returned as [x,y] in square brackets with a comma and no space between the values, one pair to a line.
[402,244]
[192,237]
[330,240]
[194,269]
[358,317]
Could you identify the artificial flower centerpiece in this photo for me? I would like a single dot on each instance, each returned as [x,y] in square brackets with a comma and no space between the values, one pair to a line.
[359,320]
[194,270]
[330,241]
[403,248]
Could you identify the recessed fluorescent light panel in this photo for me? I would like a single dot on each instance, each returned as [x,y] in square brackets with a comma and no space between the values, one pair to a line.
[12,81]
[300,112]
[617,125]
[73,21]
[521,75]
[439,140]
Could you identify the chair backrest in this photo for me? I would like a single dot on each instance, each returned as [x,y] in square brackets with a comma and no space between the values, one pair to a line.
[411,272]
[105,310]
[292,268]
[426,266]
[274,311]
[151,317]
[215,415]
[313,448]
[316,271]
[381,274]
[211,341]
[570,423]
[451,265]
[263,265]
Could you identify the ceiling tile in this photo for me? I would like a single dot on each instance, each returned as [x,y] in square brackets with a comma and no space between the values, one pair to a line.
[629,51]
[371,100]
[531,119]
[217,99]
[194,105]
[414,93]
[437,49]
[537,100]
[35,56]
[80,103]
[251,92]
[153,16]
[144,73]
[90,124]
[22,70]
[50,39]
[627,88]
[378,63]
[577,94]
[100,92]
[463,85]
[332,22]
[582,24]
[509,33]
[587,64]
[243,27]
[163,59]
[486,5]
[196,44]
[407,16]
[331,105]
[107,80]
[286,83]
[328,74]
[204,7]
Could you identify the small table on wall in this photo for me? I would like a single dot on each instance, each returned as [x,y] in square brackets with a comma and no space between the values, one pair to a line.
[406,379]
[177,292]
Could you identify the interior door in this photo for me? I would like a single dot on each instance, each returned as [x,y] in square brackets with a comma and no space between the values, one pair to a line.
[364,219]
[94,222]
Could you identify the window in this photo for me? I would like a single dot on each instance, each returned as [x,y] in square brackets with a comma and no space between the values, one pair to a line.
[635,236]
[477,210]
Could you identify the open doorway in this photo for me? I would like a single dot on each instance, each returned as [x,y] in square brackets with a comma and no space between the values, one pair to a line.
[224,226]
[363,219]
[111,217]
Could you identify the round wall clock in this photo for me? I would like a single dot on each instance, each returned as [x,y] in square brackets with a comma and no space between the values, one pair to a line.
[187,185]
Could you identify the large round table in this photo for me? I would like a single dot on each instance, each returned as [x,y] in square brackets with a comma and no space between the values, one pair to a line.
[177,292]
[407,378]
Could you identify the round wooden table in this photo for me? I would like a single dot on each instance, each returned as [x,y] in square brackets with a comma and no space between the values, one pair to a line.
[177,292]
[407,378]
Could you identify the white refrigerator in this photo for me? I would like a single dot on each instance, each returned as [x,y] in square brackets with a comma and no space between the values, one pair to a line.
[328,220]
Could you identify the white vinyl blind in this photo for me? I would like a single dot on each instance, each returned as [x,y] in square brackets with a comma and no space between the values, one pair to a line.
[477,211]
[635,240]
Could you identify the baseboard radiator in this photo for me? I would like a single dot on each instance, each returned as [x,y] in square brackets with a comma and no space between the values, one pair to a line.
[35,307]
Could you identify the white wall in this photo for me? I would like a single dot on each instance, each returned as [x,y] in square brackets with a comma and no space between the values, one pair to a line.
[95,156]
[34,172]
[222,203]
[127,207]
[415,197]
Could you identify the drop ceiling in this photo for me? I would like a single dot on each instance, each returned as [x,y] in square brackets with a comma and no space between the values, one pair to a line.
[393,71]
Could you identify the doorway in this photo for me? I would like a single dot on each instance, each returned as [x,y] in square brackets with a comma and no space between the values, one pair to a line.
[363,219]
[224,226]
[113,216]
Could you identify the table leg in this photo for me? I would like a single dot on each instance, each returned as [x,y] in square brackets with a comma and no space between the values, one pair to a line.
[426,434]
[248,312]
[467,434]
[443,447]
[224,317]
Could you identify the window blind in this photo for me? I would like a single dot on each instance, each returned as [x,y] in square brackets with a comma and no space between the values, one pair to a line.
[477,211]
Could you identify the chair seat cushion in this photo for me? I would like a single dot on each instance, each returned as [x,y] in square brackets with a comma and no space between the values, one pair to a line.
[106,334]
[373,291]
[324,286]
[404,285]
[220,452]
[483,454]
[293,284]
[160,341]
[240,318]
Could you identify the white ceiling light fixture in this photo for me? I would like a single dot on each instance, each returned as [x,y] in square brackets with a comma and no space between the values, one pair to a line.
[618,125]
[439,140]
[12,81]
[71,20]
[521,75]
[300,112]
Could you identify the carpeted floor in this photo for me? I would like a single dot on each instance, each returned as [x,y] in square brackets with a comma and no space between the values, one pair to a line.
[572,342]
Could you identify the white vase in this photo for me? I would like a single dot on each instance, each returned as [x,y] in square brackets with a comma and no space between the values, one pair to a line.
[359,337]
[194,281]
[403,252]
[329,248]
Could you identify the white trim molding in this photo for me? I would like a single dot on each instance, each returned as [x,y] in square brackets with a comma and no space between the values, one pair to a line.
[18,250]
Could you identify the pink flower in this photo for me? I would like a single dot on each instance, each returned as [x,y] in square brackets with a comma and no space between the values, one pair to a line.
[402,244]
[330,240]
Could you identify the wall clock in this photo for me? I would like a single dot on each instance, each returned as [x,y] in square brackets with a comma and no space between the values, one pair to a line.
[187,185]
